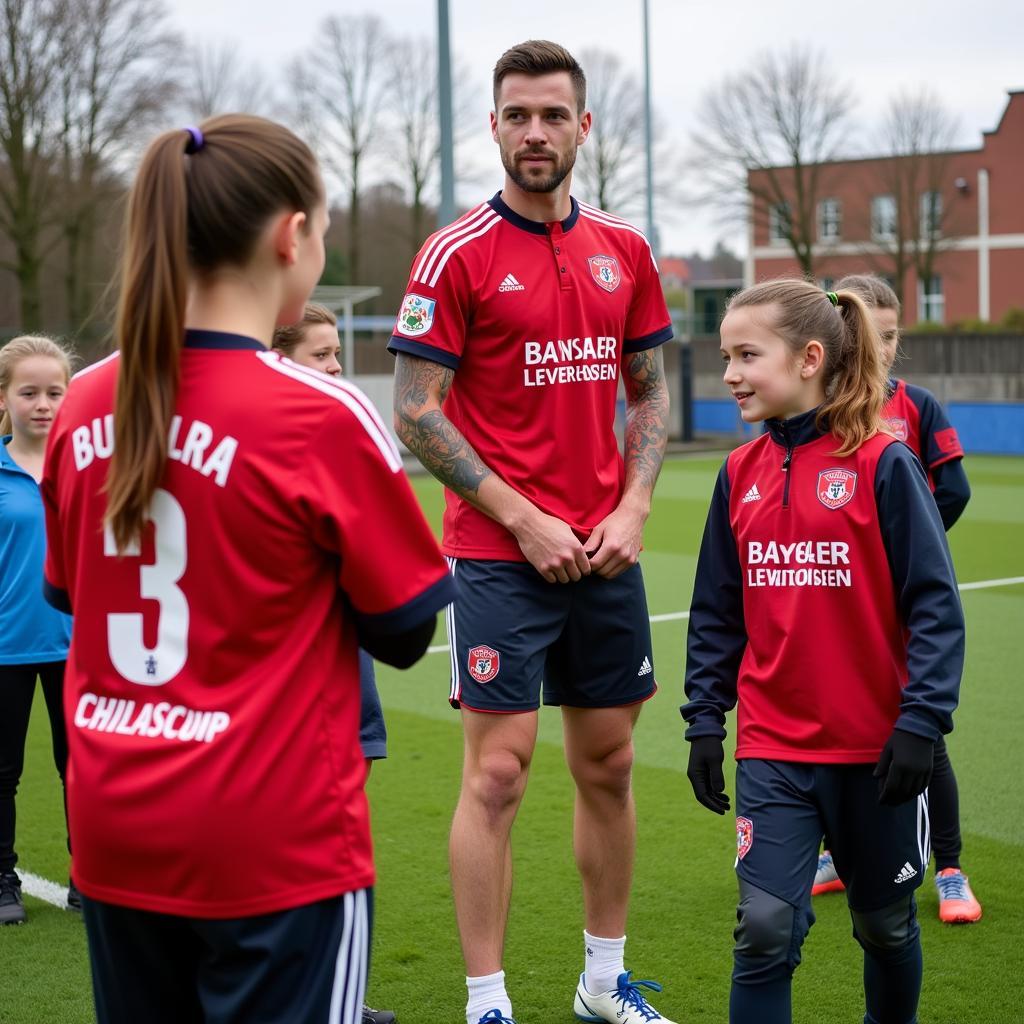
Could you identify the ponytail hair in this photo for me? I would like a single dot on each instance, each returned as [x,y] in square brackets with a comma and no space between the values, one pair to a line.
[24,347]
[200,202]
[854,376]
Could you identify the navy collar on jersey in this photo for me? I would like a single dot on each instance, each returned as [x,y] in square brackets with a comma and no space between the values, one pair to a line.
[796,430]
[536,227]
[221,339]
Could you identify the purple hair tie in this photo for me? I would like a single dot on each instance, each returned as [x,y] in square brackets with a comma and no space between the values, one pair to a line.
[196,140]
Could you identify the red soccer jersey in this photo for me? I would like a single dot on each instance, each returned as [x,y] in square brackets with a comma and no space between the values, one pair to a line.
[915,416]
[536,320]
[212,687]
[825,662]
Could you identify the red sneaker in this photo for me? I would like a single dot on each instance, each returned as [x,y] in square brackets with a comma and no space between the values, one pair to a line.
[957,904]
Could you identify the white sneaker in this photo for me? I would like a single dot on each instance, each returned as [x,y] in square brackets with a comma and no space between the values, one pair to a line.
[623,1004]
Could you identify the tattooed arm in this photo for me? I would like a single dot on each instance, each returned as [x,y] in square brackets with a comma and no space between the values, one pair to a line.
[421,387]
[615,543]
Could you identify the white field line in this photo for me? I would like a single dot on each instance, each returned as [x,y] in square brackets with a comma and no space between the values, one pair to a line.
[44,889]
[51,892]
[1009,581]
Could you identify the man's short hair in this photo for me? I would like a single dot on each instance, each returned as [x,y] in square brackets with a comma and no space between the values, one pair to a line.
[541,57]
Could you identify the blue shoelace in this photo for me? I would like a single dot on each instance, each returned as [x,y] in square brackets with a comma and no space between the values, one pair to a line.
[495,1017]
[952,887]
[629,994]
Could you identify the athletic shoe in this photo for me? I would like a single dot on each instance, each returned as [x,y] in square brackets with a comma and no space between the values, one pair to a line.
[495,1017]
[624,1004]
[957,904]
[75,898]
[12,910]
[826,878]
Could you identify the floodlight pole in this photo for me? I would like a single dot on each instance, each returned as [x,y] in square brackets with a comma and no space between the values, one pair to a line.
[446,211]
[652,234]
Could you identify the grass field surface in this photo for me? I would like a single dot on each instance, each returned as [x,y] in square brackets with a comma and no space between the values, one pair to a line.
[684,893]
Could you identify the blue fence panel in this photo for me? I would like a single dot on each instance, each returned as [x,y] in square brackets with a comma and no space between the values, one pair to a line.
[989,428]
[720,416]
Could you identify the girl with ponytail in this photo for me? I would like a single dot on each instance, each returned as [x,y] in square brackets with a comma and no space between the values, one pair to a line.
[825,607]
[223,576]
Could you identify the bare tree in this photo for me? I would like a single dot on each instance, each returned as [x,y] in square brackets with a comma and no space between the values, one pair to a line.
[414,124]
[917,134]
[764,134]
[340,102]
[219,82]
[111,95]
[29,73]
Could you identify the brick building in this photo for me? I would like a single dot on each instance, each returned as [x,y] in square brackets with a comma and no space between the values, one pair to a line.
[959,215]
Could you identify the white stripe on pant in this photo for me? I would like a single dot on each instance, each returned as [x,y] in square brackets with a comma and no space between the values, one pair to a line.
[350,966]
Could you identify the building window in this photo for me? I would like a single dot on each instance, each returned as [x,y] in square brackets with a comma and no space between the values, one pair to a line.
[931,303]
[779,223]
[883,218]
[830,220]
[931,214]
[826,284]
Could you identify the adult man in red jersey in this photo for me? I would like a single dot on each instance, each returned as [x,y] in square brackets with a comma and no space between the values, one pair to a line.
[518,322]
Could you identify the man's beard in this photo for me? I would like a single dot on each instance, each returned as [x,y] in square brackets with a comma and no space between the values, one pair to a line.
[561,170]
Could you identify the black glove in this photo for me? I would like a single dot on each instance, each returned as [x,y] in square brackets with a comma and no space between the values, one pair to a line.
[905,767]
[705,773]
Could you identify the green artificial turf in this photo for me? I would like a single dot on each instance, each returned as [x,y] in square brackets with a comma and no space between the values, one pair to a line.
[684,894]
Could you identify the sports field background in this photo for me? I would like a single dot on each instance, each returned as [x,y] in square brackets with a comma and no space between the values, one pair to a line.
[684,892]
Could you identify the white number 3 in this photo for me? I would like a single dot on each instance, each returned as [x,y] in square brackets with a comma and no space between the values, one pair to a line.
[154,666]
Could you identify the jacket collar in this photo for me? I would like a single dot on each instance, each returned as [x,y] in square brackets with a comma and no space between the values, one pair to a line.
[796,430]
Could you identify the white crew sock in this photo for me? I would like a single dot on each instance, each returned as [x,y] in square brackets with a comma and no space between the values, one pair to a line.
[604,962]
[487,993]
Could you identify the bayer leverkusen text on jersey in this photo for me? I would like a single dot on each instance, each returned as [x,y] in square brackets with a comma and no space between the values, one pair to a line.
[536,320]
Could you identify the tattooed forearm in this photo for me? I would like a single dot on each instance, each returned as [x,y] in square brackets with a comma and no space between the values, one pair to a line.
[646,417]
[420,387]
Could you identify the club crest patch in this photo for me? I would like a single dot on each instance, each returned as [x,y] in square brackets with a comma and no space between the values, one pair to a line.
[836,487]
[898,428]
[484,663]
[605,272]
[744,837]
[416,316]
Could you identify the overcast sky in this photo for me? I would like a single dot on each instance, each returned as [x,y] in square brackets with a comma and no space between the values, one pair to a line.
[970,52]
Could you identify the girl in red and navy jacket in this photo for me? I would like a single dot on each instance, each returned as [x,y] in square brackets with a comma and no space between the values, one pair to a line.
[826,608]
[914,415]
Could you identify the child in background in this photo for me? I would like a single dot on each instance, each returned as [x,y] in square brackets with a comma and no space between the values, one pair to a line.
[313,342]
[915,416]
[223,572]
[825,607]
[34,637]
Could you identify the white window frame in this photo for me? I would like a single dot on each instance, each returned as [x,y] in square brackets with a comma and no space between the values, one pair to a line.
[886,205]
[776,213]
[931,301]
[930,214]
[830,220]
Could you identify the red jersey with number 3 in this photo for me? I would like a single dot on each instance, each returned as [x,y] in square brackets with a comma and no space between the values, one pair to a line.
[536,320]
[212,687]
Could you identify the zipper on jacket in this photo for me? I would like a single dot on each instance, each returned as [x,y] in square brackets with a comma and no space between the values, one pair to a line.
[786,463]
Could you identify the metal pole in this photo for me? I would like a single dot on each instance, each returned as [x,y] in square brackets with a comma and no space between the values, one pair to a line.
[446,211]
[651,230]
[350,340]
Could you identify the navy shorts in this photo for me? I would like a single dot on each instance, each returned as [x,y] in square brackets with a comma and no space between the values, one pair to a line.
[511,632]
[373,734]
[784,809]
[306,965]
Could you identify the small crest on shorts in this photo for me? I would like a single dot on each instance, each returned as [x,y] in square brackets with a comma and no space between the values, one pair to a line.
[744,837]
[836,487]
[605,271]
[417,315]
[484,663]
[897,426]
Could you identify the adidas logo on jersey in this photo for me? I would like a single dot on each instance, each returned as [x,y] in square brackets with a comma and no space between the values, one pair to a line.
[906,873]
[752,495]
[510,284]
[646,668]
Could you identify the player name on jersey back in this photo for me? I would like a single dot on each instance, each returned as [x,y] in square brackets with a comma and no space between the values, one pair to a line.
[196,449]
